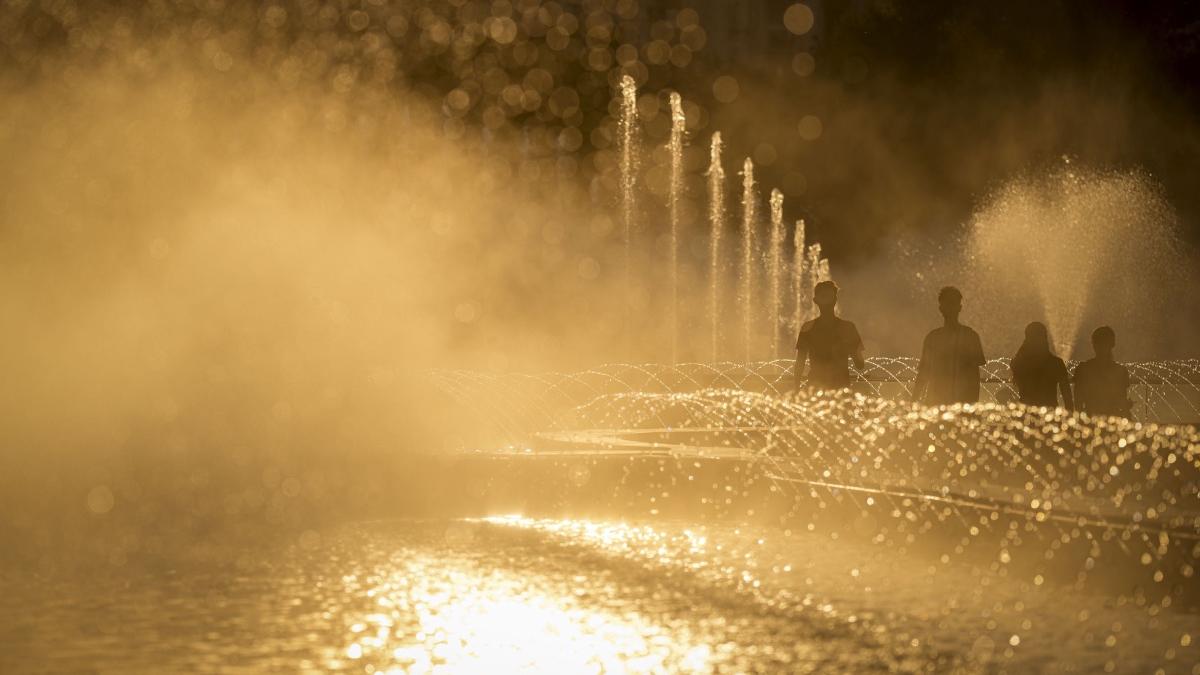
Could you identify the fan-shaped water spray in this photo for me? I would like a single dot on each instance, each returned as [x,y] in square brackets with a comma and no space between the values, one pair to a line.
[517,406]
[1075,247]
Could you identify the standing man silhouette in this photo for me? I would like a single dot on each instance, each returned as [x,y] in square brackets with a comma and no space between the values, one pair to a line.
[1102,384]
[950,358]
[827,342]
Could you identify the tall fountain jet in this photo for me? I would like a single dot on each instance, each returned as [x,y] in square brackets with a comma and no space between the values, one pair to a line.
[746,283]
[813,260]
[678,122]
[812,264]
[716,224]
[775,267]
[800,281]
[627,127]
[823,273]
[808,267]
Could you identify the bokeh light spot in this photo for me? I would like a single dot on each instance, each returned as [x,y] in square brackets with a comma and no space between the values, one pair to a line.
[798,19]
[726,89]
[100,500]
[588,268]
[803,64]
[810,127]
[765,154]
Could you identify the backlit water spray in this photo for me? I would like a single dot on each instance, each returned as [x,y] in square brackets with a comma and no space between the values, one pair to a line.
[775,267]
[1050,246]
[746,282]
[815,264]
[800,282]
[716,224]
[678,122]
[628,139]
[750,527]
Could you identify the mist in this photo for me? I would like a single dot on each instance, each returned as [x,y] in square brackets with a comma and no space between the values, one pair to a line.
[224,295]
[446,334]
[228,268]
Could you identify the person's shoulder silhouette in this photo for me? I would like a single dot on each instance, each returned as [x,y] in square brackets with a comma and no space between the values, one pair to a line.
[950,357]
[1102,384]
[827,343]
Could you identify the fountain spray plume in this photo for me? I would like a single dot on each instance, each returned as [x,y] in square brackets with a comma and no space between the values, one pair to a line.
[749,216]
[800,283]
[627,127]
[775,267]
[1076,247]
[678,122]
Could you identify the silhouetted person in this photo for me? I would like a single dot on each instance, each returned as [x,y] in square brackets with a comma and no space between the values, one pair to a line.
[1038,373]
[827,342]
[1102,384]
[950,358]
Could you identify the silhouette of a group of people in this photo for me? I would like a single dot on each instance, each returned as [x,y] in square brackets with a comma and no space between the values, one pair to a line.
[952,355]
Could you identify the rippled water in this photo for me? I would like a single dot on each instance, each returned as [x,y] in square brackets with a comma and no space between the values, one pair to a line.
[450,596]
[562,596]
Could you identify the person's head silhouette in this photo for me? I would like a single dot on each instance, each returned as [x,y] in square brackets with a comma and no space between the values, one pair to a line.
[950,303]
[825,295]
[1104,341]
[1037,338]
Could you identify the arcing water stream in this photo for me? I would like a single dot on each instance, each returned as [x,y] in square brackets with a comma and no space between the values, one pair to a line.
[996,535]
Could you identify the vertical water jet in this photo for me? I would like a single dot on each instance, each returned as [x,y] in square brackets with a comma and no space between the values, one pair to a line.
[799,278]
[627,127]
[716,226]
[813,265]
[775,268]
[678,122]
[746,282]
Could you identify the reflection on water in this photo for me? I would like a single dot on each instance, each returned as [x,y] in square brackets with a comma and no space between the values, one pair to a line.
[518,594]
[468,615]
[968,616]
[418,597]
